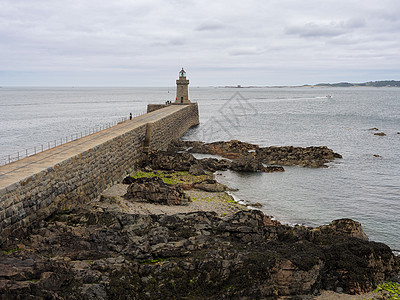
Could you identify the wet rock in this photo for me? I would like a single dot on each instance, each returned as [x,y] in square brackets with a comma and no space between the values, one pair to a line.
[345,227]
[210,186]
[240,153]
[196,170]
[167,161]
[195,255]
[256,204]
[286,155]
[291,156]
[213,164]
[380,134]
[189,146]
[226,149]
[93,292]
[374,129]
[154,190]
[246,164]
[233,146]
[271,169]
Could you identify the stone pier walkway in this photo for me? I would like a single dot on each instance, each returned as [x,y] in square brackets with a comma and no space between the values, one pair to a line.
[19,170]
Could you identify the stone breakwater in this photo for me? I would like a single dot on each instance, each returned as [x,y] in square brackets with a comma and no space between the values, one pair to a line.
[78,178]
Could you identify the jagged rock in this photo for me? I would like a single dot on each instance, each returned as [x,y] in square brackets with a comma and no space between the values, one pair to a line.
[167,161]
[290,156]
[154,190]
[196,170]
[226,149]
[374,128]
[315,157]
[231,149]
[247,164]
[346,227]
[114,255]
[213,164]
[270,169]
[210,186]
[180,145]
[286,155]
[256,204]
[380,133]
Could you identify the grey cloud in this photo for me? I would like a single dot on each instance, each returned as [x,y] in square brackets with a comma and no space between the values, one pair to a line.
[331,29]
[354,23]
[210,25]
[208,36]
[311,30]
[244,51]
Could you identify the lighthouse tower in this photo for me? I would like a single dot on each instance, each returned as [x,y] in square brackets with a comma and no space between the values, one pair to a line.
[182,88]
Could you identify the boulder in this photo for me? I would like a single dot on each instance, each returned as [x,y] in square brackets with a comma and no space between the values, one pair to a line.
[247,164]
[271,169]
[347,227]
[233,146]
[210,186]
[255,204]
[291,156]
[213,164]
[196,170]
[167,161]
[154,190]
[189,146]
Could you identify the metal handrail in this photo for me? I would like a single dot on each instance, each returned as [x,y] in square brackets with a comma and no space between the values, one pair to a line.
[5,160]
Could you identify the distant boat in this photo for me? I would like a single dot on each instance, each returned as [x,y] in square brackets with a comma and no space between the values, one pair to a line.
[328,96]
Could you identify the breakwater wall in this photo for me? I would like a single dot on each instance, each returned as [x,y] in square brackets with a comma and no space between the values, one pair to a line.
[60,178]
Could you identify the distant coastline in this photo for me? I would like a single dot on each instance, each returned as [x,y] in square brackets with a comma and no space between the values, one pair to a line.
[381,83]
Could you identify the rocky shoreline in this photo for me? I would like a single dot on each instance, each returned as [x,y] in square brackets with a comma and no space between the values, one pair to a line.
[170,231]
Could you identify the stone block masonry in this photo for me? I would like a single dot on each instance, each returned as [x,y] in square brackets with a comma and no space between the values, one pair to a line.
[171,127]
[77,172]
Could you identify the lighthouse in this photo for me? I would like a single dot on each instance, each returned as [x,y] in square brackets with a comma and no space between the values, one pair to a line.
[182,88]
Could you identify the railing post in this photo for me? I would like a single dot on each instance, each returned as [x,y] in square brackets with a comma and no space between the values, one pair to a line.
[9,158]
[34,149]
[42,147]
[26,152]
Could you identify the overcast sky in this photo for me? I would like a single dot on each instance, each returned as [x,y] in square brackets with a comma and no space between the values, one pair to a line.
[247,42]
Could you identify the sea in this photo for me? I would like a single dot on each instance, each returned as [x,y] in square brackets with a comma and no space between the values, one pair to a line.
[364,185]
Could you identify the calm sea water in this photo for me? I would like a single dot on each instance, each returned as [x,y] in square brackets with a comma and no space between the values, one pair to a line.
[360,186]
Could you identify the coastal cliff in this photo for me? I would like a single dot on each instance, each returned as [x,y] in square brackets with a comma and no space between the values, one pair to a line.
[169,231]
